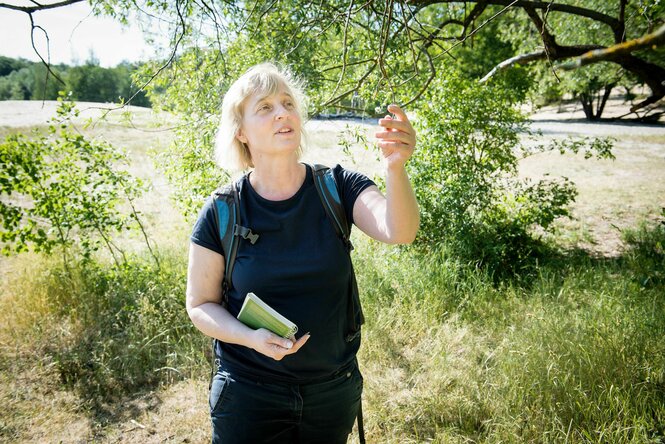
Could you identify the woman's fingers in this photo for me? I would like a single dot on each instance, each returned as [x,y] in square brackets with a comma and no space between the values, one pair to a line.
[275,346]
[298,344]
[398,138]
[391,147]
[399,113]
[398,128]
[398,125]
[395,136]
[283,347]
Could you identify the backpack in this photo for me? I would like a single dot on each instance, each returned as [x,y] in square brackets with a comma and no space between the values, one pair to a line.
[230,229]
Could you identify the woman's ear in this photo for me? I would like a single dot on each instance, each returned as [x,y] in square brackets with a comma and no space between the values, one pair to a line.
[241,137]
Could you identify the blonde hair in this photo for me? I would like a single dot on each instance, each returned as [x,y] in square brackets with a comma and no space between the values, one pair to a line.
[265,79]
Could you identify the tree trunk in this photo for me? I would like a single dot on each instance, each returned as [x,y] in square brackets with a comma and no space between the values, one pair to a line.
[586,98]
[603,100]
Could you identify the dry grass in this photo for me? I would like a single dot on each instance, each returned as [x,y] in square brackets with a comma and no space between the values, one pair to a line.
[175,414]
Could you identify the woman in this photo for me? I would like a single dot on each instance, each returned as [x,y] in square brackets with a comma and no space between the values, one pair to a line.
[269,389]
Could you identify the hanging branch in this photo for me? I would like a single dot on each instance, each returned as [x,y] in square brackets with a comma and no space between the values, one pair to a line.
[477,10]
[560,7]
[345,50]
[47,64]
[177,38]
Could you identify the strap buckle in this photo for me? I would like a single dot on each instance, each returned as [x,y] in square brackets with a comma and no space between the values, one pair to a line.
[245,233]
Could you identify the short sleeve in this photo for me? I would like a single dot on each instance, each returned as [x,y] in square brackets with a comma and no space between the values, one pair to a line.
[204,232]
[351,184]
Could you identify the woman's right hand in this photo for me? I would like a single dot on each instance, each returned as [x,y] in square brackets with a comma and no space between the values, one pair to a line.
[269,344]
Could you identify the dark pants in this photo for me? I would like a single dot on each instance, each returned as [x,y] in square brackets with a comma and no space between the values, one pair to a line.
[245,411]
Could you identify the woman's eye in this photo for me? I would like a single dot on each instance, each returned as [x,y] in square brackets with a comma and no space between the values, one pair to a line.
[264,107]
[289,105]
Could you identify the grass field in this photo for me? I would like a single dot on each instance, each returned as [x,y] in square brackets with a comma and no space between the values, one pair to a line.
[574,355]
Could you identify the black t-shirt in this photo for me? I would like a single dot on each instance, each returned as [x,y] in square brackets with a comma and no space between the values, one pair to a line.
[298,266]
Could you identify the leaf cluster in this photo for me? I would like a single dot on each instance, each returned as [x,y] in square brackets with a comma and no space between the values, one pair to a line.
[63,190]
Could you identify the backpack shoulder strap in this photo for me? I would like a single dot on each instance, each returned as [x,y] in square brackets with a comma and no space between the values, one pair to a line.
[227,217]
[230,229]
[227,212]
[326,186]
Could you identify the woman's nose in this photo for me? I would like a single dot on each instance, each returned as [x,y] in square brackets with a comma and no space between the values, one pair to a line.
[281,112]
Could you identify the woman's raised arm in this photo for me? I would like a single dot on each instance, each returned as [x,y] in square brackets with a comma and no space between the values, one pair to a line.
[393,218]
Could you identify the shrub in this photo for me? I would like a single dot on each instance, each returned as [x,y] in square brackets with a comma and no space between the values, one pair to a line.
[464,173]
[448,356]
[63,190]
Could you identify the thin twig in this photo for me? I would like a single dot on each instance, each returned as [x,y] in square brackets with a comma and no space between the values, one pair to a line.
[48,48]
[159,71]
[345,51]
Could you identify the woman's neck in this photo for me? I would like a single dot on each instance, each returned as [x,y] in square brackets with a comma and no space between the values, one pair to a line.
[277,180]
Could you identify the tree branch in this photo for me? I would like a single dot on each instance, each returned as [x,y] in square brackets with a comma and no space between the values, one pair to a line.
[570,9]
[548,39]
[522,58]
[360,81]
[48,51]
[177,39]
[478,9]
[652,74]
[345,52]
[447,51]
[620,31]
[432,74]
[569,51]
[613,52]
[38,6]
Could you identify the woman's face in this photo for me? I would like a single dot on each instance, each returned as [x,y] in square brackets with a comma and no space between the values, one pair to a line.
[271,124]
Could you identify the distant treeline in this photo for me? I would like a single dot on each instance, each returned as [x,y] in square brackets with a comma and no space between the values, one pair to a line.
[22,79]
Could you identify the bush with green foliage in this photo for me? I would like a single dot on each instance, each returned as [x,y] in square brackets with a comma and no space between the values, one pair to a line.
[62,190]
[130,328]
[465,175]
[104,331]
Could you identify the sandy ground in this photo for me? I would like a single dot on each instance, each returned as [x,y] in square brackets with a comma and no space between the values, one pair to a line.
[23,113]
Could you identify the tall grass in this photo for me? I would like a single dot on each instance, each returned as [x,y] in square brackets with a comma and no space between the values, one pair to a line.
[108,331]
[574,354]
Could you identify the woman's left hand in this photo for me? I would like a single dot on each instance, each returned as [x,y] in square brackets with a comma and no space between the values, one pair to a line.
[398,139]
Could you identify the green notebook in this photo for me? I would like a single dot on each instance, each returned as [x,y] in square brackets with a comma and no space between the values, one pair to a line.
[257,314]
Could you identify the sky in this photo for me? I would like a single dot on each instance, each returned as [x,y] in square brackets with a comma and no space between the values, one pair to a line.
[73,33]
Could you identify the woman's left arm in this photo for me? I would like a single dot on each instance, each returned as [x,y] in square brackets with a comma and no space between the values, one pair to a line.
[393,218]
